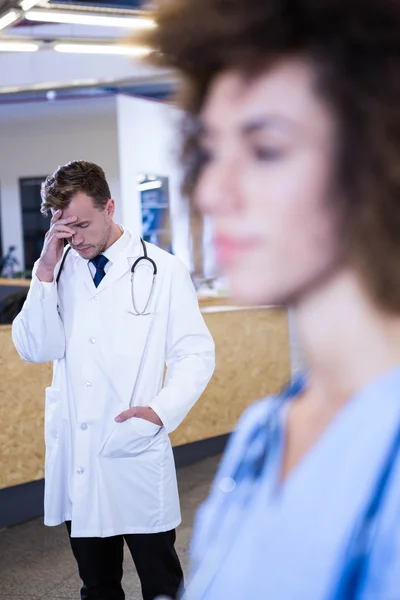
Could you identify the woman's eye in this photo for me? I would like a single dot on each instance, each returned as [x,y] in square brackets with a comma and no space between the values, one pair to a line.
[206,155]
[268,154]
[83,226]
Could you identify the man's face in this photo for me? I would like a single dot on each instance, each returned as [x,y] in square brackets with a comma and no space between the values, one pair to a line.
[93,227]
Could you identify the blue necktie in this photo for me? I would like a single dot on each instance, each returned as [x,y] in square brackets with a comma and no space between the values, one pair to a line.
[99,262]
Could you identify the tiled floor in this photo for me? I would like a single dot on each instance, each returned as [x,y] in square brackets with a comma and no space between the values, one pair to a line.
[36,561]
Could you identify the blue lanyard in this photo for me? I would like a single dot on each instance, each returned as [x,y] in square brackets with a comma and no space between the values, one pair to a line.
[356,559]
[260,443]
[247,478]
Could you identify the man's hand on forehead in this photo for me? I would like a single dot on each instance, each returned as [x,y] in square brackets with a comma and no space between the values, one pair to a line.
[60,230]
[57,218]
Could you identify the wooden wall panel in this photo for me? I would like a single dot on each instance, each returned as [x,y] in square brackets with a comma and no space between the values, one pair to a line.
[252,348]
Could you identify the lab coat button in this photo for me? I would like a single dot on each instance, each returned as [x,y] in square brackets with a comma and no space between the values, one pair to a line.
[95,298]
[92,340]
[88,384]
[80,471]
[84,426]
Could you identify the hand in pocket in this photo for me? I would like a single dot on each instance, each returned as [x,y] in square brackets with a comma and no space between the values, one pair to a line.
[140,412]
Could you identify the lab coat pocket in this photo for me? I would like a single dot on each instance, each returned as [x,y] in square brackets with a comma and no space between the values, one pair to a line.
[52,418]
[130,438]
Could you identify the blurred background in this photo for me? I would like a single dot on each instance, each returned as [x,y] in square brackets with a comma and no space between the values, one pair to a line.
[71,87]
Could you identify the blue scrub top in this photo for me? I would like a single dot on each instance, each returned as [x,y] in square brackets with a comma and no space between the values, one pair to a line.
[290,540]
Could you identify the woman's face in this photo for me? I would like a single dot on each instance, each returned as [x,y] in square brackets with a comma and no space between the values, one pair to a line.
[267,183]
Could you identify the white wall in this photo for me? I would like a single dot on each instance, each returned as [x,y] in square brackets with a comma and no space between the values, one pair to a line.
[149,143]
[37,137]
[298,365]
[125,135]
[52,68]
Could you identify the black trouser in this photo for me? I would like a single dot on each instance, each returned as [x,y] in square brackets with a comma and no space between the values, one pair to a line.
[100,565]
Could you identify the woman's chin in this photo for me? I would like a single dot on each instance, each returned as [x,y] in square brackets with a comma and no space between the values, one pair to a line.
[251,295]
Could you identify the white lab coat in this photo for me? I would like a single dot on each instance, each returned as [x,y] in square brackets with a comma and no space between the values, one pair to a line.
[115,478]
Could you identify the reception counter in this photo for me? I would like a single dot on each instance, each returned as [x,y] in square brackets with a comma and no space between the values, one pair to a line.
[253,360]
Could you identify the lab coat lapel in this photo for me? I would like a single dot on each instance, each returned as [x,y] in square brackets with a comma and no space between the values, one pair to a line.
[134,330]
[84,275]
[122,264]
[133,336]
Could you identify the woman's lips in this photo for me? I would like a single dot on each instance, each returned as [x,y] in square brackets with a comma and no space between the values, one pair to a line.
[230,249]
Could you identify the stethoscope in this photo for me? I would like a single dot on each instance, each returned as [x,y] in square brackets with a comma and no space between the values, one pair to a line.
[154,267]
[145,257]
[245,482]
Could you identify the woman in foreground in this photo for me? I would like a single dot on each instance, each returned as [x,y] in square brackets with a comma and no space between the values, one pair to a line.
[293,150]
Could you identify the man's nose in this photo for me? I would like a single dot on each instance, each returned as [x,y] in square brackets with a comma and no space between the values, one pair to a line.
[77,239]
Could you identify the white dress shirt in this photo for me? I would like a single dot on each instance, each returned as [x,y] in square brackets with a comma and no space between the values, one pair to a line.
[112,252]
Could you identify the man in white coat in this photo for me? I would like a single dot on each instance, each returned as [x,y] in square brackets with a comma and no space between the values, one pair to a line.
[110,472]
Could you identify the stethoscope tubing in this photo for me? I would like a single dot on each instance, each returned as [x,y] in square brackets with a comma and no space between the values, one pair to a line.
[145,257]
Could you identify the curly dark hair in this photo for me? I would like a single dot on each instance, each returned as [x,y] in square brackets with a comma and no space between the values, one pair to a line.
[68,180]
[354,46]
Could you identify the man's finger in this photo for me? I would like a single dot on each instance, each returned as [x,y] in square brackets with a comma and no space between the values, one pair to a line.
[56,217]
[68,220]
[124,416]
[63,229]
[64,222]
[61,235]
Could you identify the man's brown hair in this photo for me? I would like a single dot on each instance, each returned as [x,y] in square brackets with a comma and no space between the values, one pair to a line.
[77,176]
[354,46]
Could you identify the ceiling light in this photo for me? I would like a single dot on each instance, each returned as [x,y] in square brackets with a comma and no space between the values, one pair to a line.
[117,50]
[9,18]
[150,185]
[80,18]
[18,46]
[52,85]
[28,4]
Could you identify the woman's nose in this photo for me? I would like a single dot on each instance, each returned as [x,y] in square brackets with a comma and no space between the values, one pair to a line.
[217,190]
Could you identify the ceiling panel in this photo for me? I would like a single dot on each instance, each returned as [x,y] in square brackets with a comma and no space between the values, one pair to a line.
[34,74]
[6,4]
[117,4]
[126,4]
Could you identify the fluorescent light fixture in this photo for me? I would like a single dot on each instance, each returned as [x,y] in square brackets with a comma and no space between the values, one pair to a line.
[9,18]
[116,50]
[51,85]
[18,46]
[28,4]
[150,185]
[81,18]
